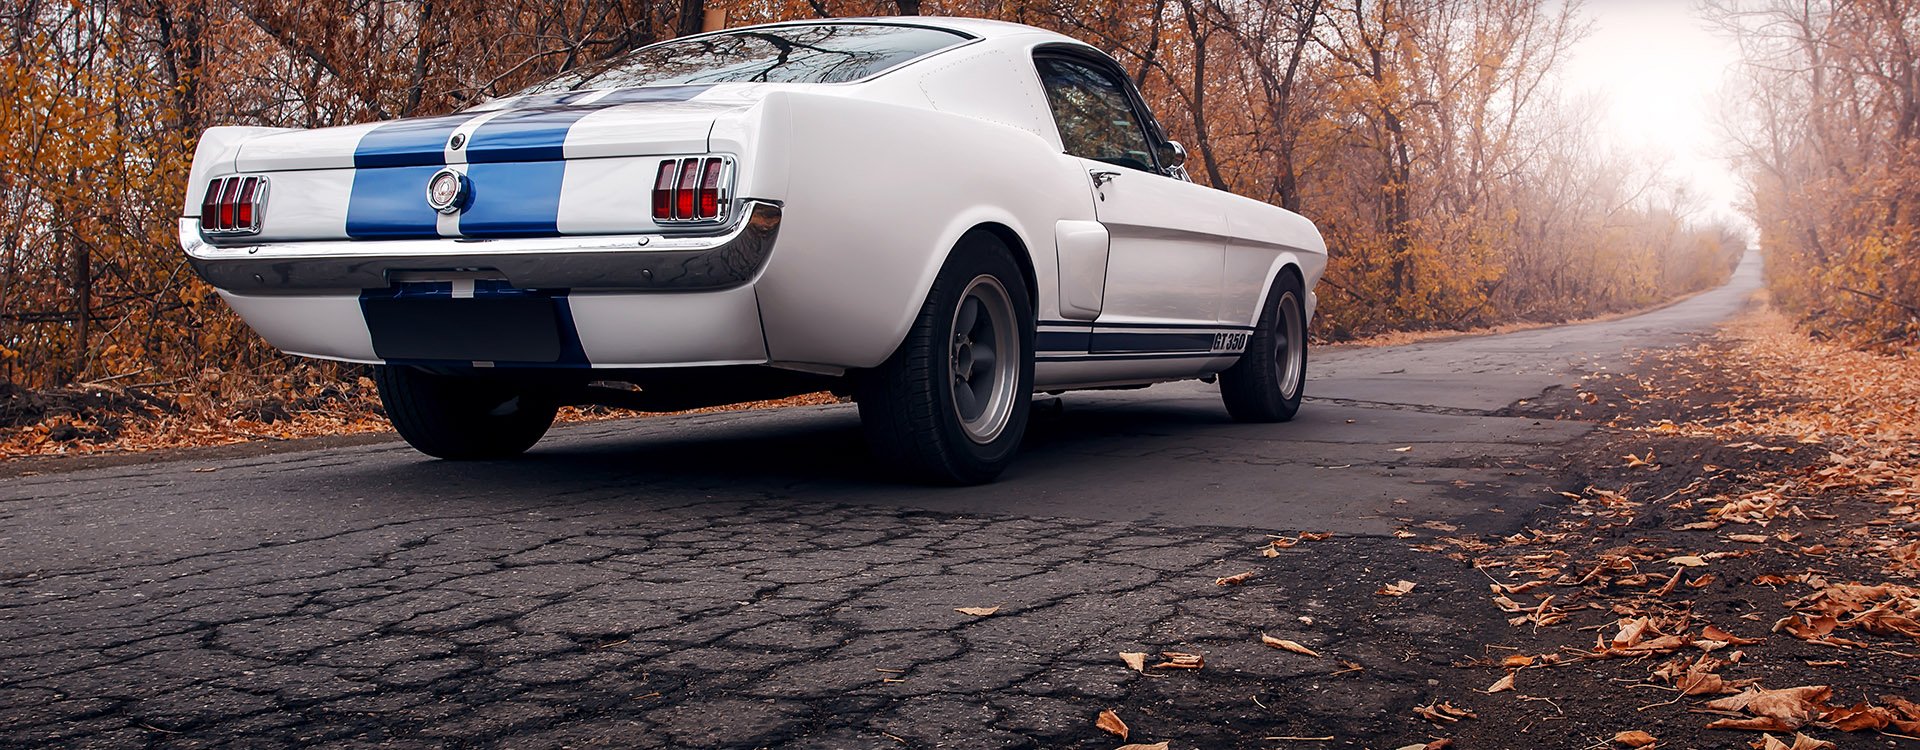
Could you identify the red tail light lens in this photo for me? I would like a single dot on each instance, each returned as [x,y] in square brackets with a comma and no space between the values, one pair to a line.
[229,194]
[683,197]
[710,190]
[210,204]
[663,190]
[243,211]
[691,189]
[233,205]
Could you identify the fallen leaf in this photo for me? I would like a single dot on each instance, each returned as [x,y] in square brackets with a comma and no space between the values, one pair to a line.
[1504,683]
[1178,660]
[977,611]
[1634,738]
[1713,633]
[1398,588]
[1110,722]
[1757,723]
[1232,580]
[1284,644]
[1137,660]
[1315,536]
[1691,561]
[1749,538]
[1701,683]
[1800,742]
[1792,707]
[1444,713]
[1517,660]
[1859,717]
[1403,449]
[1154,746]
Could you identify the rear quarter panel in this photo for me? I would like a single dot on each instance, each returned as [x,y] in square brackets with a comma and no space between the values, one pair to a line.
[1266,239]
[876,196]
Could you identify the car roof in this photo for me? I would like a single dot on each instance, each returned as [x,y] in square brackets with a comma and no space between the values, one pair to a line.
[976,27]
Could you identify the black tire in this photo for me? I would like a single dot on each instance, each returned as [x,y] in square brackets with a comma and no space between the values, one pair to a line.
[461,418]
[910,406]
[1267,383]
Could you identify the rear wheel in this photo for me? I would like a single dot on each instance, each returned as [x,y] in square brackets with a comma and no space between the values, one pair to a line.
[1267,383]
[951,404]
[461,418]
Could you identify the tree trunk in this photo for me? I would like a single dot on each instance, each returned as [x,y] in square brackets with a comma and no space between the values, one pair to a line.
[693,13]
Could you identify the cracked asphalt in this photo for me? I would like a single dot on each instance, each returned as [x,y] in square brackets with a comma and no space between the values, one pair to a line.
[750,580]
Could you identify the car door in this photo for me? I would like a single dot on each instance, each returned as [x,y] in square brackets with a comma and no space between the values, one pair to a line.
[1166,255]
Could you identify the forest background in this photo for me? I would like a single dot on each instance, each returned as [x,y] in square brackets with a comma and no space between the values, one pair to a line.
[1456,183]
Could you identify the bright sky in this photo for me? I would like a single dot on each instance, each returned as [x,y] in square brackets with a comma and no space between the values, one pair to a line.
[1657,69]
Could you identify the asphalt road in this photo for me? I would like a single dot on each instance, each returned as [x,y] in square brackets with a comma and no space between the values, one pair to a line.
[749,579]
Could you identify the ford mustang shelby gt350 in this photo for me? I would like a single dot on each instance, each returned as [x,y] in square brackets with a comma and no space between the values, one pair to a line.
[938,216]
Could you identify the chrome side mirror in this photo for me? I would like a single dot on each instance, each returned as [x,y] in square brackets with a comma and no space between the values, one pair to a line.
[1173,161]
[1173,155]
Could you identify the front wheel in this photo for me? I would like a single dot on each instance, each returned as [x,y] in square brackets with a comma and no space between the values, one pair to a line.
[951,404]
[461,418]
[1267,383]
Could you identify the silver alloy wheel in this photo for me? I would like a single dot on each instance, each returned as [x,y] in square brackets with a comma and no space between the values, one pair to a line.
[984,359]
[1291,349]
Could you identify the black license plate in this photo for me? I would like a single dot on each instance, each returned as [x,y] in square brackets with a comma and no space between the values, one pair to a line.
[510,329]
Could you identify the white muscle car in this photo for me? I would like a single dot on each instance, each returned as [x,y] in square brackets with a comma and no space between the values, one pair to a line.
[939,216]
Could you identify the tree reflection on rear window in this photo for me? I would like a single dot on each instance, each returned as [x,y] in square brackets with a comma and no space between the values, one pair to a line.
[812,53]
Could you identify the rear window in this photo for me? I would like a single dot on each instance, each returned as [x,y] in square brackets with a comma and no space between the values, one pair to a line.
[811,53]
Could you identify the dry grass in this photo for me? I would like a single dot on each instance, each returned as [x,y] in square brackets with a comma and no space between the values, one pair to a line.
[105,418]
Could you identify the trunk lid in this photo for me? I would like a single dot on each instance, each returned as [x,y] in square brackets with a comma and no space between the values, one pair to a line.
[566,163]
[589,124]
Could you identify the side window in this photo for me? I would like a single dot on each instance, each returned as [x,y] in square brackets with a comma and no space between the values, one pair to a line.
[1094,114]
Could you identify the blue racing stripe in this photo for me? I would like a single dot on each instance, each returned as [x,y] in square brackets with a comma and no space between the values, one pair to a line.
[652,94]
[1063,341]
[525,135]
[391,203]
[1133,341]
[516,158]
[519,199]
[408,143]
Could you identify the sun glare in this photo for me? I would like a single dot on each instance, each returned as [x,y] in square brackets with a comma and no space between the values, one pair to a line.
[1656,69]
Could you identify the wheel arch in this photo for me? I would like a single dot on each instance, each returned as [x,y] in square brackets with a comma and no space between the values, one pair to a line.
[1304,267]
[1016,246]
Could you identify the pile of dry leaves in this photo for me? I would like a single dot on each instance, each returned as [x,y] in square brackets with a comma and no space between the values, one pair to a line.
[1808,470]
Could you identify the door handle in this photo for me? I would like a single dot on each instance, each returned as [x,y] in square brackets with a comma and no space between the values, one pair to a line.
[1102,176]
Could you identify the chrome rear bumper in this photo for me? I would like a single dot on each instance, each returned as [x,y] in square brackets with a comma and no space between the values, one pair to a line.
[653,262]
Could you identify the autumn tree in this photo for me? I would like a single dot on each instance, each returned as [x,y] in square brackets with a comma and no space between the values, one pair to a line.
[1828,124]
[1424,137]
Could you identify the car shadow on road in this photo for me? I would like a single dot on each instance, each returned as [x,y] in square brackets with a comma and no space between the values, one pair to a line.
[821,449]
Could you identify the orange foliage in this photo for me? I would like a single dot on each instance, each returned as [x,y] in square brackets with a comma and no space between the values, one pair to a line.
[1422,135]
[1830,128]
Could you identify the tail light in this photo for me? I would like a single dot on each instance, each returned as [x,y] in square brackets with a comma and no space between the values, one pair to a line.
[692,190]
[233,206]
